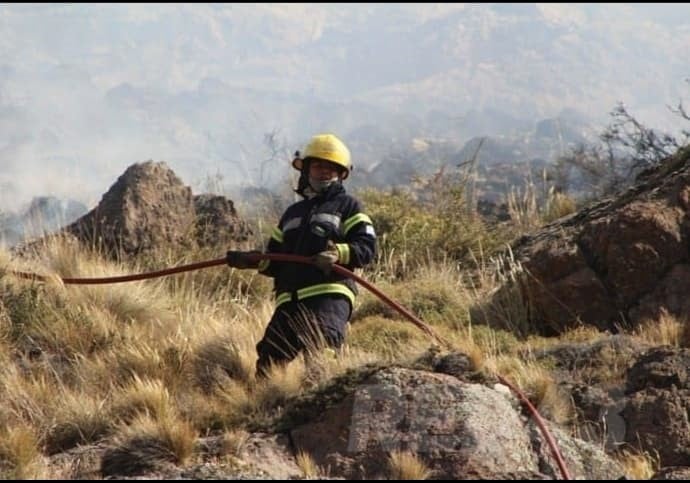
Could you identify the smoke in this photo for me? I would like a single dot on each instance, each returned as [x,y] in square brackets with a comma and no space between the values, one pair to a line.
[86,90]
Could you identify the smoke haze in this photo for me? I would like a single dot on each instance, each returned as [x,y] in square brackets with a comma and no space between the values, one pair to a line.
[228,91]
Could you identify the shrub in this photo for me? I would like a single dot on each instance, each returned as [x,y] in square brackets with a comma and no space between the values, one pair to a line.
[416,229]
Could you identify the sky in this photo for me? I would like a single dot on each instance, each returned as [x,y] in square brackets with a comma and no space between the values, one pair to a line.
[226,92]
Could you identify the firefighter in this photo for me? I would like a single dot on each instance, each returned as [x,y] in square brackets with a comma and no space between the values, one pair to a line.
[313,302]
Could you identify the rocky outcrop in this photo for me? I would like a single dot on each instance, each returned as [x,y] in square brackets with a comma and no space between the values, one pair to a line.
[217,221]
[461,426]
[657,414]
[628,394]
[149,207]
[615,263]
[458,429]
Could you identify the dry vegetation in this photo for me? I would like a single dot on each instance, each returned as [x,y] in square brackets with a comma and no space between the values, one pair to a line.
[638,465]
[145,368]
[405,465]
[306,464]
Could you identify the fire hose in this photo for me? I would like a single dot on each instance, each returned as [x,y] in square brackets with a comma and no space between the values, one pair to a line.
[283,257]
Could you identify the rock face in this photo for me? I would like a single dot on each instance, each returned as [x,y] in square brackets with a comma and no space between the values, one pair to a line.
[628,394]
[149,207]
[616,263]
[658,408]
[216,221]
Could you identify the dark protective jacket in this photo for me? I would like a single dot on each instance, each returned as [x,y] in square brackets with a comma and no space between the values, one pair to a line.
[304,229]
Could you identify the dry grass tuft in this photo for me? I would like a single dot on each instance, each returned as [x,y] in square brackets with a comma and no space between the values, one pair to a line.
[167,359]
[465,342]
[389,339]
[233,442]
[557,205]
[307,465]
[432,292]
[523,207]
[79,419]
[147,444]
[230,405]
[666,330]
[495,292]
[281,384]
[20,456]
[219,359]
[143,397]
[637,465]
[328,363]
[28,399]
[405,465]
[537,383]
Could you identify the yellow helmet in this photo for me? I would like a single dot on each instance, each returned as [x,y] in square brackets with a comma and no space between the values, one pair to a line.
[328,147]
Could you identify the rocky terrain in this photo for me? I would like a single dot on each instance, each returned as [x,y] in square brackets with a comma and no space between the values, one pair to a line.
[617,262]
[462,425]
[611,265]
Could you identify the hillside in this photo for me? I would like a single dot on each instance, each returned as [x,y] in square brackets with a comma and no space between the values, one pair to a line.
[155,379]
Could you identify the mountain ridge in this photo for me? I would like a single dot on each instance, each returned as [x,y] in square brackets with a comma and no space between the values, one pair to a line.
[202,85]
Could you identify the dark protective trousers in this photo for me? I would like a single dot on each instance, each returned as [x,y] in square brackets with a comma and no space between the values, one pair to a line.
[307,325]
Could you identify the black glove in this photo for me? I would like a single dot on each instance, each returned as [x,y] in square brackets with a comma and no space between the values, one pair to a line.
[240,259]
[327,258]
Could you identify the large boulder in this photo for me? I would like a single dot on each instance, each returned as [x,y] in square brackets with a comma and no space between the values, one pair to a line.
[616,263]
[149,207]
[458,429]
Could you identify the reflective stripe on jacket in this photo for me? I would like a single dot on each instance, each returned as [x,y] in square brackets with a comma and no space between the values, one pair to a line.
[305,229]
